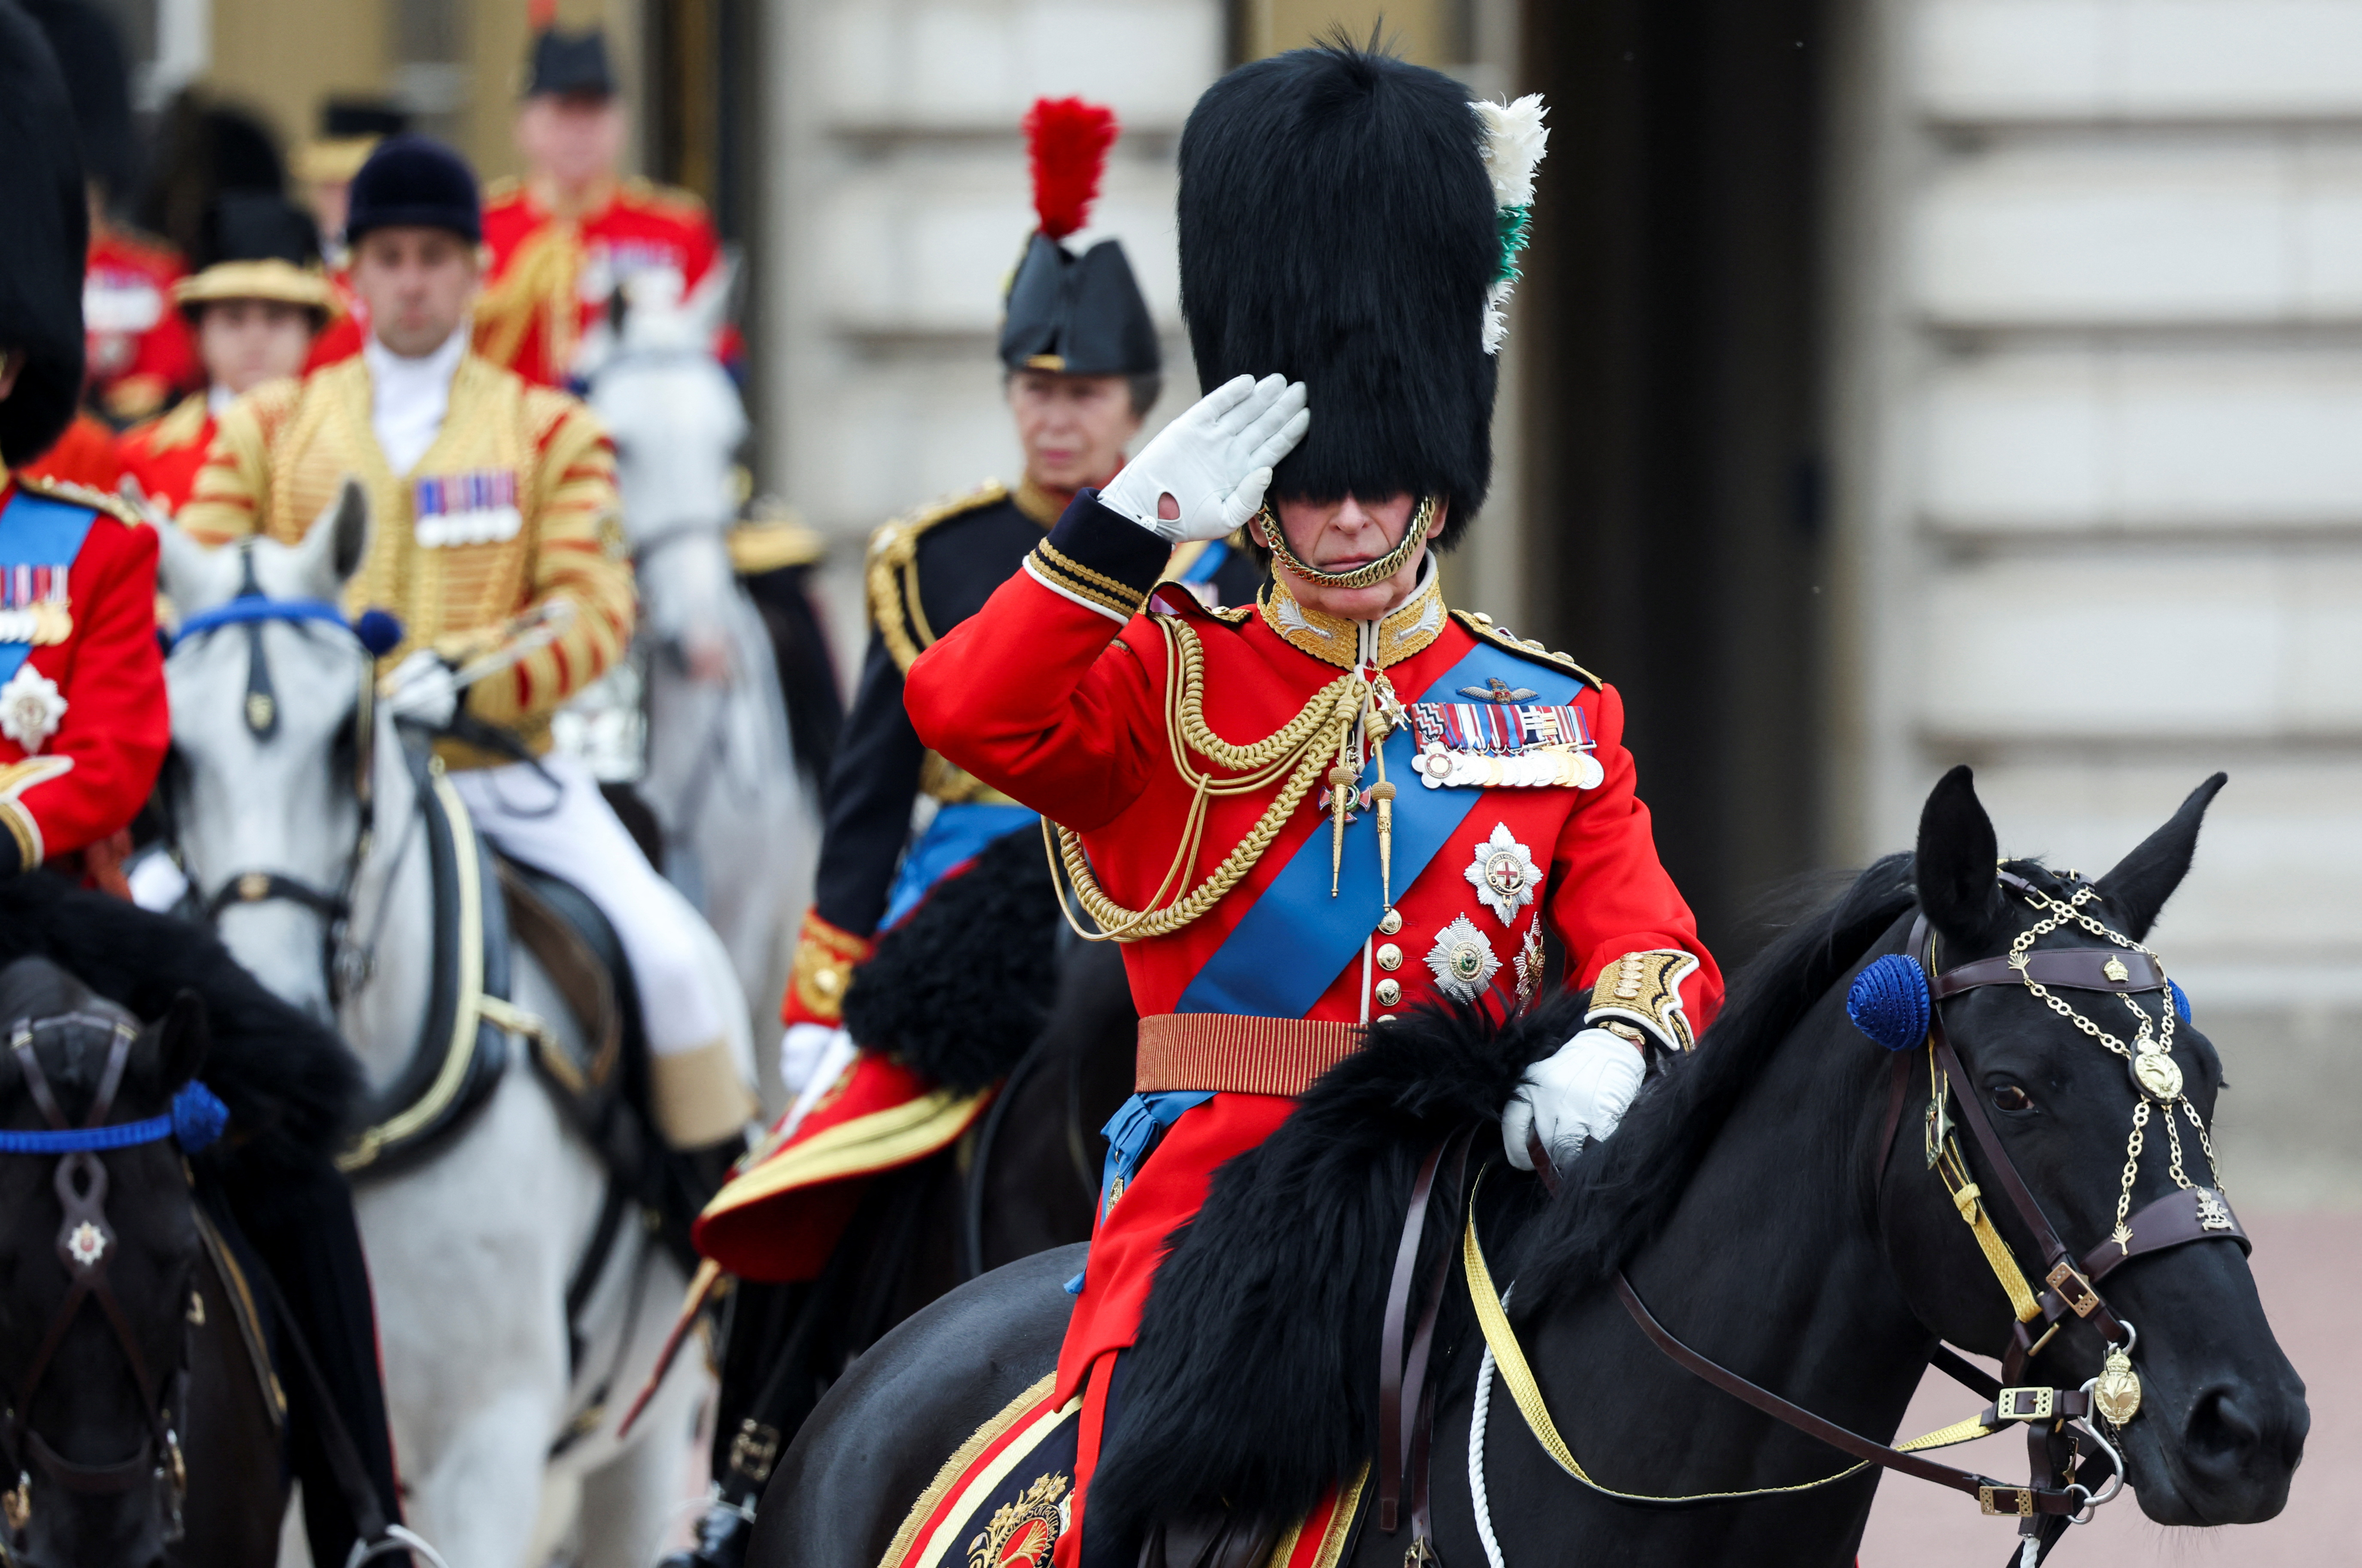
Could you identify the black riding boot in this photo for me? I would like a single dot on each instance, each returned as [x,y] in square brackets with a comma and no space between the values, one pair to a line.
[760,1351]
[299,1220]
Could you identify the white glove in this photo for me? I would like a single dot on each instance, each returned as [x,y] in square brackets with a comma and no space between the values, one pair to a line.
[801,1050]
[1580,1091]
[1215,461]
[424,689]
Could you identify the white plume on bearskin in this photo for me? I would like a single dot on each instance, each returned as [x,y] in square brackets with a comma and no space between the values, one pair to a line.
[1514,140]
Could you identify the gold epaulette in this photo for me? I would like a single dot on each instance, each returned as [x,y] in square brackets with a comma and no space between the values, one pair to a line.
[115,506]
[1524,648]
[177,426]
[507,187]
[893,571]
[773,544]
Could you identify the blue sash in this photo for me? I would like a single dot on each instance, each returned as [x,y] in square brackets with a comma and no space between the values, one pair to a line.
[959,833]
[1292,945]
[38,531]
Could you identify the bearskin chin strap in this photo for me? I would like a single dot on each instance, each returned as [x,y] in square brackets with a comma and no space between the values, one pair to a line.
[1267,528]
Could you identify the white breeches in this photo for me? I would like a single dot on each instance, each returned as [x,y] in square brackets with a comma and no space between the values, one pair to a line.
[572,833]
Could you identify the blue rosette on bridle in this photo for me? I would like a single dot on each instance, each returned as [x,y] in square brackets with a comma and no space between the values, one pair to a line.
[198,1116]
[1889,1002]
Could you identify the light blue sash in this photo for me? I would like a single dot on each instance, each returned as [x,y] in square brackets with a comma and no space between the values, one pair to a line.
[38,531]
[1297,939]
[958,834]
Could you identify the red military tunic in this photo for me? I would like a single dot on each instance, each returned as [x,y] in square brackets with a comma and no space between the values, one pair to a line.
[83,721]
[137,349]
[552,275]
[1055,693]
[165,453]
[84,454]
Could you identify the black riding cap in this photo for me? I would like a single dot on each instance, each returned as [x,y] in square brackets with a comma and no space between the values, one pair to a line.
[564,62]
[42,244]
[1338,226]
[414,181]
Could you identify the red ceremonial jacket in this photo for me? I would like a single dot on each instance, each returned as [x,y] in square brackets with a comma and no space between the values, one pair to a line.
[83,723]
[86,455]
[551,277]
[1055,693]
[165,453]
[137,349]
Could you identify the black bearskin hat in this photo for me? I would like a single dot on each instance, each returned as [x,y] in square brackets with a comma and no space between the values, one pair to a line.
[42,243]
[1337,225]
[414,182]
[97,75]
[1080,315]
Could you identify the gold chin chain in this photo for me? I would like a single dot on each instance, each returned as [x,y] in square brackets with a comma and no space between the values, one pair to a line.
[1346,721]
[1274,538]
[2150,1053]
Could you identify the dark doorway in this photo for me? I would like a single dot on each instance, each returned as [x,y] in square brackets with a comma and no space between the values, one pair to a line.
[1673,422]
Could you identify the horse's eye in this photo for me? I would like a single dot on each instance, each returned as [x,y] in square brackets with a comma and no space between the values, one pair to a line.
[2009,1097]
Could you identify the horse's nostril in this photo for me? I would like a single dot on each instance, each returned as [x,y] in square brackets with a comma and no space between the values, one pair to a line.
[2220,1428]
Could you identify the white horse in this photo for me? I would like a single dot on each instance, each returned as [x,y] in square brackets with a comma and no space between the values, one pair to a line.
[739,827]
[470,1251]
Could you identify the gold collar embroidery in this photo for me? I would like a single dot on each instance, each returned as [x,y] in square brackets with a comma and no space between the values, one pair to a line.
[1041,505]
[1407,629]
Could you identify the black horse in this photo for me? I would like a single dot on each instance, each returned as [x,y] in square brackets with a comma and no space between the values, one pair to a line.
[1754,1199]
[138,1429]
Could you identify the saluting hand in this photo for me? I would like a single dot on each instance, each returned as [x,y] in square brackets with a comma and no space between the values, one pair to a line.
[1205,474]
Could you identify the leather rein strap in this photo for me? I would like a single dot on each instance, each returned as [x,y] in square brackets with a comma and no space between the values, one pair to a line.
[1406,1403]
[86,1245]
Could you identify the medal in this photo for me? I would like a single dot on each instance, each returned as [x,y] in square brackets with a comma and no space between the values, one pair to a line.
[30,708]
[1504,875]
[2117,1392]
[1462,961]
[34,608]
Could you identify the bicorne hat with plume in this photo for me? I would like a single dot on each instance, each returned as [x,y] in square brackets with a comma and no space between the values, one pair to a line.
[1352,222]
[1081,316]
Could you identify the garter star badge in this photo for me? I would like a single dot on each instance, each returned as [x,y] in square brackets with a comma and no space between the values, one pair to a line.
[1505,875]
[30,707]
[1464,963]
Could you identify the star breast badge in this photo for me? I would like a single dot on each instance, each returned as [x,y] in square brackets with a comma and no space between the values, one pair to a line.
[1461,960]
[30,708]
[1505,875]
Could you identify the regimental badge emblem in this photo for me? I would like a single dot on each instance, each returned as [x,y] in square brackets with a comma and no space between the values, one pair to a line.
[2158,1075]
[2213,1214]
[86,1244]
[1462,961]
[1021,1534]
[30,708]
[2114,970]
[1529,961]
[1505,875]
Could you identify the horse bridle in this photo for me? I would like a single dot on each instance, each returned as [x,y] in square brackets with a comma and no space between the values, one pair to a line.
[2051,1415]
[85,1245]
[252,610]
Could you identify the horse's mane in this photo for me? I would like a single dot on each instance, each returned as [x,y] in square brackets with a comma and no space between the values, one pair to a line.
[1252,1385]
[1618,1197]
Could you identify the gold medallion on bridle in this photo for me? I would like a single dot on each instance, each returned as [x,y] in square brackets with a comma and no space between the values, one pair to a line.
[2117,1392]
[2159,1076]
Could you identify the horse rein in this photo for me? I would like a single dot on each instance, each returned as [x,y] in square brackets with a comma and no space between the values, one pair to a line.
[86,1244]
[2050,1415]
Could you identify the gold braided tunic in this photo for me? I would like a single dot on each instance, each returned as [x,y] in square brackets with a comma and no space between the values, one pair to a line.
[284,449]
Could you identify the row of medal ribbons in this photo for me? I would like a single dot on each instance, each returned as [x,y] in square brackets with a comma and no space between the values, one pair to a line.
[1488,745]
[33,605]
[466,508]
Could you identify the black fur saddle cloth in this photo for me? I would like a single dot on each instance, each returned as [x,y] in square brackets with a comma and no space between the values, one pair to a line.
[1253,1385]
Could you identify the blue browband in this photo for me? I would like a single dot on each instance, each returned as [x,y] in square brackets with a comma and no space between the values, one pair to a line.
[196,1118]
[378,631]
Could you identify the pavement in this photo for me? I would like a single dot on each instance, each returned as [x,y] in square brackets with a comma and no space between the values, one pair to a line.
[2308,1271]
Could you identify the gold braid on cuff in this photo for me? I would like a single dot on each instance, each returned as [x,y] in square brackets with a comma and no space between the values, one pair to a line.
[1275,538]
[1644,990]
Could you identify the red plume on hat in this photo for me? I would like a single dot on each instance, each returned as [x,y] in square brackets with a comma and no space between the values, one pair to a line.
[1067,141]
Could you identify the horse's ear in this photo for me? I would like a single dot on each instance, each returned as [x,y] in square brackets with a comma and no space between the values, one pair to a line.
[332,549]
[2143,879]
[1957,859]
[182,1038]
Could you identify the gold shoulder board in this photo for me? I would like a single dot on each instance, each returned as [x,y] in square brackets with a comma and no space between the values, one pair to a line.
[115,506]
[1481,626]
[892,575]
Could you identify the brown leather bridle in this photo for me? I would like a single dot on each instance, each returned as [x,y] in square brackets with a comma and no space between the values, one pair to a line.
[86,1245]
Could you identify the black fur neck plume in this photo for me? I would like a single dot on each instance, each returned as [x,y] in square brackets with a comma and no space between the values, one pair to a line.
[1252,1386]
[291,1085]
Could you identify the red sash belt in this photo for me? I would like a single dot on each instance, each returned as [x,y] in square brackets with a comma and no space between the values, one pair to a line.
[1237,1053]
